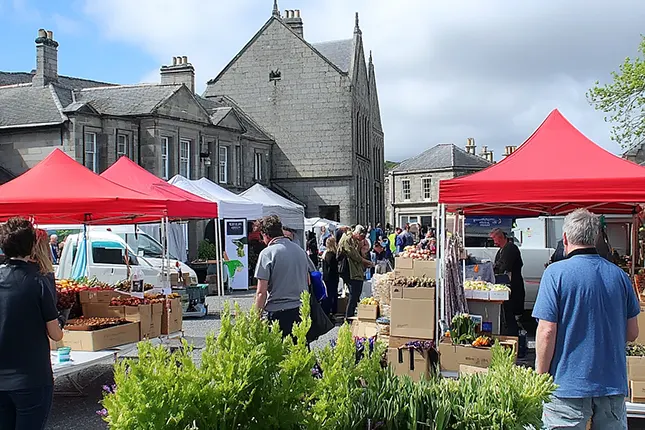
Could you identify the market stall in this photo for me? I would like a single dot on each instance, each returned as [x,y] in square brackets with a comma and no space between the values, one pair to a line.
[230,227]
[291,214]
[556,170]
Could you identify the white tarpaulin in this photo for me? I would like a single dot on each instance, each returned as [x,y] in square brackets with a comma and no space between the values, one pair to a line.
[316,223]
[291,214]
[229,204]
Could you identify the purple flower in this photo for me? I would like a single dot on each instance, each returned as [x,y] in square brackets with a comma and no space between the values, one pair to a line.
[102,413]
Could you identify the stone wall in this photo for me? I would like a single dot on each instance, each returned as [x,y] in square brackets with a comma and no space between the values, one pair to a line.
[20,150]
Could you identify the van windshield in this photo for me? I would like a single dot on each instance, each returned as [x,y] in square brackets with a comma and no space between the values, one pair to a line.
[146,244]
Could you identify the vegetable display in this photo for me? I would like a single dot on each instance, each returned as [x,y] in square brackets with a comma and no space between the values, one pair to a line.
[462,330]
[371,301]
[415,282]
[635,350]
[484,286]
[93,323]
[483,341]
[416,254]
[128,301]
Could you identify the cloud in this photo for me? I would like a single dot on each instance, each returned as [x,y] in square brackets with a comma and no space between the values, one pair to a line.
[491,70]
[24,11]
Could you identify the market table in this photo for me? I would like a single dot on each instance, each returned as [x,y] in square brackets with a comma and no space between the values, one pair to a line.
[635,410]
[79,360]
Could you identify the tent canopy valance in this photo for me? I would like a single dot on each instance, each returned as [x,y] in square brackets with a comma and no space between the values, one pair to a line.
[59,190]
[291,214]
[180,204]
[230,205]
[557,169]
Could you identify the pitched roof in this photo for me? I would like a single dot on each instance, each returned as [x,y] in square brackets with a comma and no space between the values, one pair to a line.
[13,78]
[126,100]
[24,105]
[5,175]
[339,52]
[442,156]
[214,104]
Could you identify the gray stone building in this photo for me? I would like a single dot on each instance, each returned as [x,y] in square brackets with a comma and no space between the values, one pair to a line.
[320,103]
[165,127]
[413,185]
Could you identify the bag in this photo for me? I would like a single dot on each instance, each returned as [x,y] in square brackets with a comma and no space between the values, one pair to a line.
[318,286]
[320,322]
[343,266]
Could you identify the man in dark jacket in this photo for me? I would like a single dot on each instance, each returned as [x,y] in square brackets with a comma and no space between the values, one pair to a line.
[508,265]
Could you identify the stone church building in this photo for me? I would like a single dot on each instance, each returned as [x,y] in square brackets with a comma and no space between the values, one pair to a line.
[320,104]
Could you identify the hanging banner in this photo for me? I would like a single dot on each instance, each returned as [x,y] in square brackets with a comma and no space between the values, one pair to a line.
[489,222]
[236,250]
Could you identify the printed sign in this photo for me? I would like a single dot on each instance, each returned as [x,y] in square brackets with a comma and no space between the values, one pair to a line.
[236,251]
[489,222]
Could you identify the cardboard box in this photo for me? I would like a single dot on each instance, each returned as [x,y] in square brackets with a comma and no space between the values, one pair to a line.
[155,321]
[637,391]
[636,369]
[420,293]
[175,281]
[641,323]
[365,329]
[403,263]
[342,305]
[413,318]
[397,342]
[102,310]
[403,273]
[367,312]
[98,296]
[452,356]
[464,369]
[468,294]
[501,296]
[98,340]
[425,268]
[396,292]
[171,320]
[511,342]
[410,362]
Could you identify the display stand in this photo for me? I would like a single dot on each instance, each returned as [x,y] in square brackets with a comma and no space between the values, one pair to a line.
[491,311]
[635,410]
[79,361]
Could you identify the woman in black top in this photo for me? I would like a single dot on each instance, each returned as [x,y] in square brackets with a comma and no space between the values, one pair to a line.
[28,316]
[312,249]
[331,276]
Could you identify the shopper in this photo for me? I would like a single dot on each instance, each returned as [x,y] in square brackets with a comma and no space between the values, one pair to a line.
[42,256]
[312,249]
[28,316]
[508,263]
[330,276]
[350,248]
[53,245]
[587,312]
[283,275]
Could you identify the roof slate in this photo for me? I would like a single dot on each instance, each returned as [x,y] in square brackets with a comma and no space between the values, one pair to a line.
[14,78]
[442,156]
[27,105]
[126,100]
[214,104]
[339,52]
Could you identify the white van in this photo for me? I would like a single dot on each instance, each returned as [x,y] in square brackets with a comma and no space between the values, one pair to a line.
[141,245]
[106,259]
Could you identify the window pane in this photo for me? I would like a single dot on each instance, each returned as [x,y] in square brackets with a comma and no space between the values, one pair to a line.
[223,164]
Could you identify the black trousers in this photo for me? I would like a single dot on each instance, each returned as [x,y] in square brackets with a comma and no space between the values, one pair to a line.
[330,304]
[355,291]
[286,319]
[25,409]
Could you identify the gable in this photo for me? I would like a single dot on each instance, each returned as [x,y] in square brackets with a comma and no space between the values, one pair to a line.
[375,109]
[227,119]
[183,105]
[359,73]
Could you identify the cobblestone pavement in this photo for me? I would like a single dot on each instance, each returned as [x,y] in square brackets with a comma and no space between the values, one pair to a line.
[69,413]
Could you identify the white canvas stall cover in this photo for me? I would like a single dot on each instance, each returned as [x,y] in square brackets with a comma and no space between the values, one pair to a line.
[230,205]
[291,214]
[320,222]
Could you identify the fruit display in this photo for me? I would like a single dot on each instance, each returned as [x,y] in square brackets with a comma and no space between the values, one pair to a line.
[639,281]
[483,341]
[147,287]
[635,350]
[155,298]
[484,286]
[382,288]
[93,323]
[462,330]
[416,254]
[125,286]
[370,301]
[128,301]
[415,282]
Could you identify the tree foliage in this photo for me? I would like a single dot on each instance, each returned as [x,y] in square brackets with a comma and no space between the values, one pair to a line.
[623,100]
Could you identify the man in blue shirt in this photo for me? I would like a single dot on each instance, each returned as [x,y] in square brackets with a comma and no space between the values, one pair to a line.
[587,309]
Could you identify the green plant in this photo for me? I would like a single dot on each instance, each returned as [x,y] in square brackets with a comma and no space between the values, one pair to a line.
[206,250]
[462,329]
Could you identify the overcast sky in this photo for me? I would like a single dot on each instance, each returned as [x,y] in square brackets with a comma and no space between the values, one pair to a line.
[446,70]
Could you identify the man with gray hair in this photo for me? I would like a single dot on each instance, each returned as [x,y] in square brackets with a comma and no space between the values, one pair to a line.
[587,311]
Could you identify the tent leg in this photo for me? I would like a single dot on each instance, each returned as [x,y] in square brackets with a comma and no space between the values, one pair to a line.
[87,251]
[441,257]
[220,263]
[635,249]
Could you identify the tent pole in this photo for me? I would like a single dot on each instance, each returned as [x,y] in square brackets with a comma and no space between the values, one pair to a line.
[463,243]
[87,251]
[442,261]
[219,255]
[634,247]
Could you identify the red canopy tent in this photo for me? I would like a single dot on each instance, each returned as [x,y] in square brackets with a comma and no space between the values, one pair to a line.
[555,171]
[60,190]
[180,204]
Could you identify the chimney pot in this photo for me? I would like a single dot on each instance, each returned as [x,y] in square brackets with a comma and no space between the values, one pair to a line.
[50,35]
[297,13]
[42,33]
[182,73]
[184,59]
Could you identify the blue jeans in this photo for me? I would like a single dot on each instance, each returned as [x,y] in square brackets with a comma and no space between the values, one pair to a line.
[606,413]
[25,409]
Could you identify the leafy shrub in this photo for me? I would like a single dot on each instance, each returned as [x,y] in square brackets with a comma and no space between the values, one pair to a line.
[250,378]
[206,250]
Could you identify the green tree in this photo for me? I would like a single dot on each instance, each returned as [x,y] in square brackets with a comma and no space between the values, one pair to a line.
[623,100]
[389,165]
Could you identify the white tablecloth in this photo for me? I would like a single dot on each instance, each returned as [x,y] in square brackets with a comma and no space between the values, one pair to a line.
[80,360]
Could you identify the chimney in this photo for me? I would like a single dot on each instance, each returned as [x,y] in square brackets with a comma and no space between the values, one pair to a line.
[181,72]
[484,151]
[470,145]
[293,20]
[46,59]
[508,150]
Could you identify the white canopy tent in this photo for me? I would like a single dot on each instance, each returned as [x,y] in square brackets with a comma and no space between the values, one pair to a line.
[230,205]
[316,223]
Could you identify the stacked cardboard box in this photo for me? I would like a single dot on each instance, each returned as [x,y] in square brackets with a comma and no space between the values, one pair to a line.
[98,340]
[172,316]
[636,377]
[453,357]
[149,316]
[415,268]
